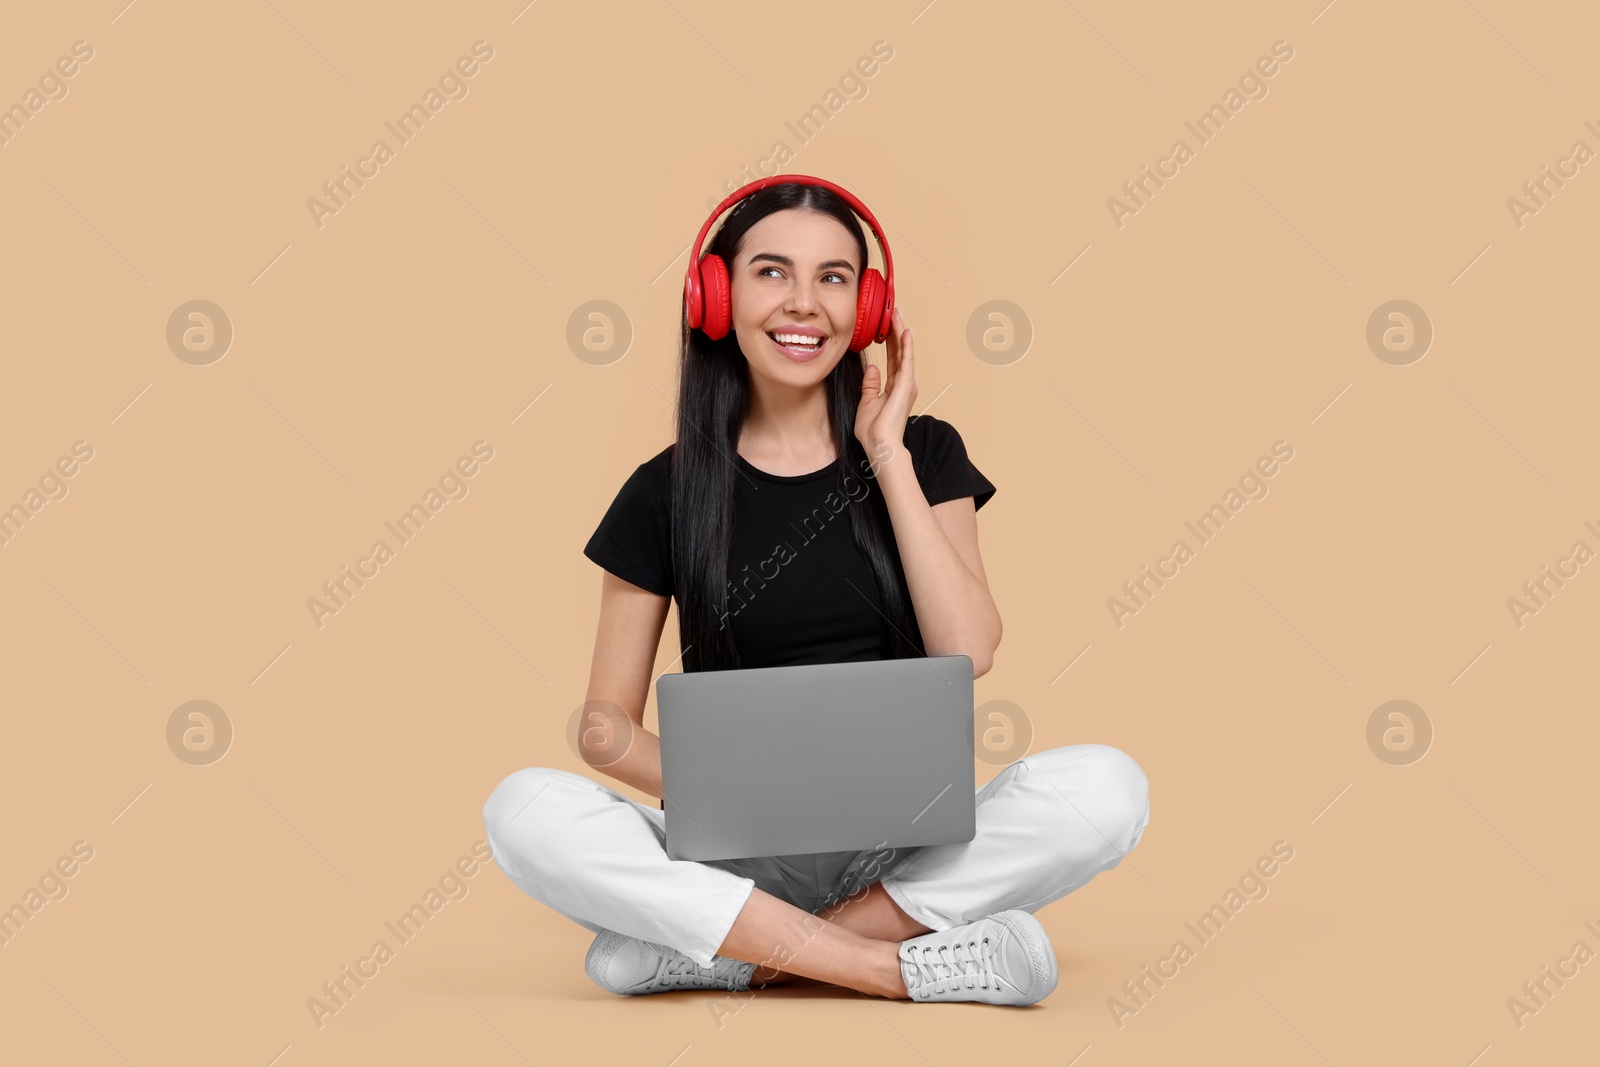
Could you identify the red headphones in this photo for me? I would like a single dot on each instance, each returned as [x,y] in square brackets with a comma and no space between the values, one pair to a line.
[706,295]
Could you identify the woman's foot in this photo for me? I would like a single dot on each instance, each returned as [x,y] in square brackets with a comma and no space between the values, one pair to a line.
[1004,958]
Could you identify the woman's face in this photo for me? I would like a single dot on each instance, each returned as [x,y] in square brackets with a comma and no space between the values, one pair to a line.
[796,273]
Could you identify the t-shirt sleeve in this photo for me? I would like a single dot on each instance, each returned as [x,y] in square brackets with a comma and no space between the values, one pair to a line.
[942,465]
[633,538]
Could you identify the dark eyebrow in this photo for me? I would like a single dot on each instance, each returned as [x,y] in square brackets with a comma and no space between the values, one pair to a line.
[787,262]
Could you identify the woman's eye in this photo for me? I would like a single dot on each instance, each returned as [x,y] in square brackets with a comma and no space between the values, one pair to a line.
[830,274]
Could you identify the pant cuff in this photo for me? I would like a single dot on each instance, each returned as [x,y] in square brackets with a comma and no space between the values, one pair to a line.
[898,895]
[734,901]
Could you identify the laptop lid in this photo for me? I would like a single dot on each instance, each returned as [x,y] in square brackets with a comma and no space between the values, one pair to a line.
[828,757]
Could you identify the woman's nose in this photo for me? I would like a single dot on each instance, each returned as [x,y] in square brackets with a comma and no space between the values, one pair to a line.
[801,297]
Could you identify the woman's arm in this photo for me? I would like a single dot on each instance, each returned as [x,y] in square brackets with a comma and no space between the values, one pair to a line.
[944,569]
[938,545]
[612,737]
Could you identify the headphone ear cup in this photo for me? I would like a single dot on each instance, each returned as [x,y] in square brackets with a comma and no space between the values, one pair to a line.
[716,296]
[693,298]
[869,310]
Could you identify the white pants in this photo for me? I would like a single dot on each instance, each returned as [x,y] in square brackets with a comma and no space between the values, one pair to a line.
[1046,825]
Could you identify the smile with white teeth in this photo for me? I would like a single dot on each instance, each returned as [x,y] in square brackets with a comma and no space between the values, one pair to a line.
[797,339]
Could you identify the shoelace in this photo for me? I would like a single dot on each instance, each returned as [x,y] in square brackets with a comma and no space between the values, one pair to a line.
[975,970]
[678,969]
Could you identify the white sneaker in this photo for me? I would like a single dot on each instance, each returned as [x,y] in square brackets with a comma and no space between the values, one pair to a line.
[628,966]
[1004,958]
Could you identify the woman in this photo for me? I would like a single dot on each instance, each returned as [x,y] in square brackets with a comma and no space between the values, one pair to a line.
[738,520]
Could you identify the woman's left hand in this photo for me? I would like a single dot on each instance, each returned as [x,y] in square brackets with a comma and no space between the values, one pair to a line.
[885,406]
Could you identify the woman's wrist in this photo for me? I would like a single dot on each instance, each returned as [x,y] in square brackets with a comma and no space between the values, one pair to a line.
[885,456]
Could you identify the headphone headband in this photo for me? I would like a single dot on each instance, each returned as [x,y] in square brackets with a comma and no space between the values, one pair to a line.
[800,179]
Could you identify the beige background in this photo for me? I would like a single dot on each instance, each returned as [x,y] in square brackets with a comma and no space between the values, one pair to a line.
[432,312]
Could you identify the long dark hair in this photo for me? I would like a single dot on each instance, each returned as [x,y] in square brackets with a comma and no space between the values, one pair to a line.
[713,394]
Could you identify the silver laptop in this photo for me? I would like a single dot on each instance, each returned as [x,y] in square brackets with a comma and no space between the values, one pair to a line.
[783,761]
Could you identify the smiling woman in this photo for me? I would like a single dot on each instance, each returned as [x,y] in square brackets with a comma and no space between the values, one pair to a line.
[802,516]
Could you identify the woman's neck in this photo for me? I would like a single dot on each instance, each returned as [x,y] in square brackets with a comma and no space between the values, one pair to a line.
[787,428]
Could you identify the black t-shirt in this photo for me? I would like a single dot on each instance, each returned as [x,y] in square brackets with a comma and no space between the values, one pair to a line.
[800,591]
